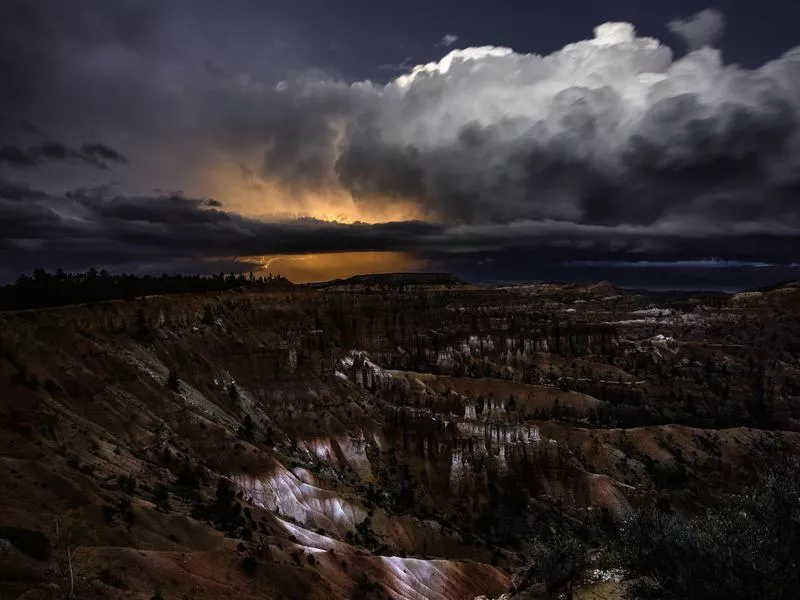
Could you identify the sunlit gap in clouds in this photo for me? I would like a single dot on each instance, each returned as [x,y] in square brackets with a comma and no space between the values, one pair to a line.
[323,267]
[257,197]
[243,187]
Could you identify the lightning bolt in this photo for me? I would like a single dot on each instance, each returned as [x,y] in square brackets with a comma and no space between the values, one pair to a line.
[266,263]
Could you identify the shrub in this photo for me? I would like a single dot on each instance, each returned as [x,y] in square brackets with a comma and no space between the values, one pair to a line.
[556,564]
[247,429]
[173,380]
[109,578]
[233,394]
[161,497]
[127,483]
[363,588]
[249,565]
[28,541]
[109,512]
[141,326]
[747,547]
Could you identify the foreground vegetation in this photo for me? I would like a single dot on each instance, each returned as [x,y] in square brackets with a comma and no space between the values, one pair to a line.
[744,546]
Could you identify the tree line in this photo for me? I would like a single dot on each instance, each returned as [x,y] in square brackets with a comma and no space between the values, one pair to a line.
[43,289]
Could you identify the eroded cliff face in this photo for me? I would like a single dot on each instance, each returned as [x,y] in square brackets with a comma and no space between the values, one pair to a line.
[387,443]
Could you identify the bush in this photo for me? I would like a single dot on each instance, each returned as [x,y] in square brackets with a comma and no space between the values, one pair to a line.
[557,564]
[141,326]
[247,429]
[109,578]
[173,380]
[249,565]
[747,547]
[109,512]
[127,483]
[233,394]
[363,535]
[28,541]
[189,478]
[22,377]
[363,588]
[161,497]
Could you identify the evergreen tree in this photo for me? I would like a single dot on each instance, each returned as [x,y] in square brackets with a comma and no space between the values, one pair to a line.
[173,381]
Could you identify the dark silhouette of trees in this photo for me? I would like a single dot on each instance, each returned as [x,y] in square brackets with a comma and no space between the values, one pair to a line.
[247,429]
[249,565]
[557,565]
[141,326]
[173,380]
[233,394]
[41,289]
[161,497]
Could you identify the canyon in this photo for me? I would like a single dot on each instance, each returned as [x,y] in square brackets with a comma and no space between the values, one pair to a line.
[404,436]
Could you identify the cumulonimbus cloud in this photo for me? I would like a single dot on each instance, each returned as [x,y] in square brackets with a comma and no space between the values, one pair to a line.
[611,130]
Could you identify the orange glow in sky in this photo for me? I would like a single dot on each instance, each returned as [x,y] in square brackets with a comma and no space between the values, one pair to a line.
[323,267]
[257,198]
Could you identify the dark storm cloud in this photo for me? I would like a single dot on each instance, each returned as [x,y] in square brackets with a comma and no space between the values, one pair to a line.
[96,155]
[100,153]
[97,226]
[18,191]
[610,146]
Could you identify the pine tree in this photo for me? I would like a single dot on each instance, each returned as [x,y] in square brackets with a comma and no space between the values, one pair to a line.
[173,381]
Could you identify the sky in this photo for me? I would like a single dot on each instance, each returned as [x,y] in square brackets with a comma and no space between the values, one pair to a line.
[653,144]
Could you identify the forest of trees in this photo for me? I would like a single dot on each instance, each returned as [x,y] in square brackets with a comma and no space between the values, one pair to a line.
[42,289]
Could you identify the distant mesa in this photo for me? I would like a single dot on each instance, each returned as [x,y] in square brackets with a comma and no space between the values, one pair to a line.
[597,287]
[790,285]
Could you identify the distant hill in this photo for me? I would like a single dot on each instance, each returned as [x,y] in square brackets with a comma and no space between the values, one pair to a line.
[275,284]
[393,281]
[786,285]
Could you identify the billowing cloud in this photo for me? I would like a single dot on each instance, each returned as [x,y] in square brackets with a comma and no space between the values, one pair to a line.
[611,130]
[703,29]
